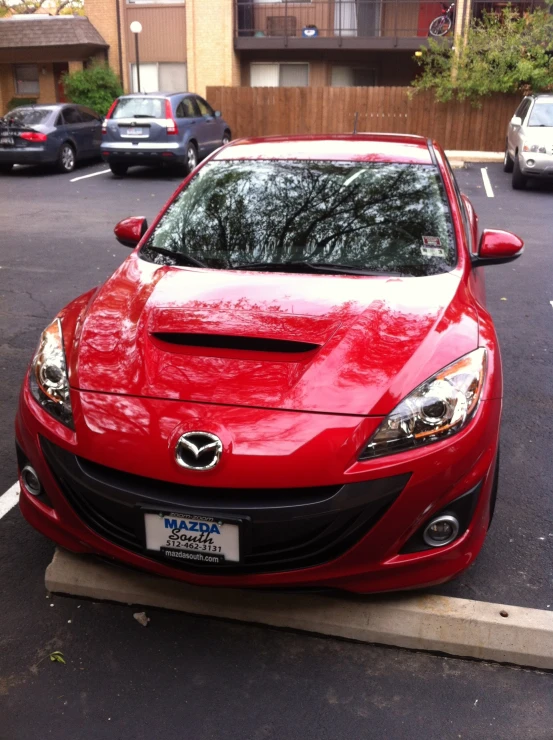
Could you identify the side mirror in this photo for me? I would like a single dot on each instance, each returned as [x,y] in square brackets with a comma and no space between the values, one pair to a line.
[516,121]
[497,247]
[218,114]
[130,231]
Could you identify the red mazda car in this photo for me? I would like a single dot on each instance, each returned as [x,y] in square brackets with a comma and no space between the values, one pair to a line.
[293,380]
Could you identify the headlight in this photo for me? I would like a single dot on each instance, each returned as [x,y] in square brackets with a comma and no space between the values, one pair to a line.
[438,408]
[48,377]
[534,148]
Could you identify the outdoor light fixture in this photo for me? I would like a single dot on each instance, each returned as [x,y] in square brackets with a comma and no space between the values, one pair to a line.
[136,28]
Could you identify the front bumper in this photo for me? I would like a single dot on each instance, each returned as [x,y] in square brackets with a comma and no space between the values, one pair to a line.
[340,523]
[542,164]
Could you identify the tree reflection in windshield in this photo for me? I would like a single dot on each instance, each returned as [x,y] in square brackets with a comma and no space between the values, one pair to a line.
[379,217]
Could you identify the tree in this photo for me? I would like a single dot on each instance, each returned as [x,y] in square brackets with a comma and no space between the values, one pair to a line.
[96,87]
[504,52]
[53,7]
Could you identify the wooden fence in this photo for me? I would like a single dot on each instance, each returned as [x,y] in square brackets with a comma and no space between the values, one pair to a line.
[268,111]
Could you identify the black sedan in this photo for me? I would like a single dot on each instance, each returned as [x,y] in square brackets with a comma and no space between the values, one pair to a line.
[49,134]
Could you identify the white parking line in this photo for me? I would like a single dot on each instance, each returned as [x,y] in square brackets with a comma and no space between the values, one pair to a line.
[9,499]
[487,184]
[83,177]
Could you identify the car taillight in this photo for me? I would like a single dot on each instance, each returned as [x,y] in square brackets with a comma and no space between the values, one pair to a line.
[172,127]
[108,116]
[32,136]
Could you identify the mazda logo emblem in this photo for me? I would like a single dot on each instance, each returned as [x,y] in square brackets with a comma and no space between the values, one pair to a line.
[198,450]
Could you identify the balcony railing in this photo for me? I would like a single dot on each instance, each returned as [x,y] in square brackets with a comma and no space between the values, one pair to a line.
[343,21]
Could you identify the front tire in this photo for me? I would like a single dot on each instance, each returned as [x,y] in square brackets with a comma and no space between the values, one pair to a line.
[5,169]
[119,170]
[226,138]
[519,180]
[66,158]
[191,159]
[508,162]
[440,26]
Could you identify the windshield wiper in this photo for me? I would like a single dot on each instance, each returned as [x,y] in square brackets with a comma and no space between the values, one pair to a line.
[304,266]
[179,257]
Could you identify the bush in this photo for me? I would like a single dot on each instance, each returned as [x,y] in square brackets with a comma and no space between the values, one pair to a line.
[96,87]
[508,51]
[16,102]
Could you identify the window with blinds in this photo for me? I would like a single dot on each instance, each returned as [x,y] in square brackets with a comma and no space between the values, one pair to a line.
[279,75]
[166,76]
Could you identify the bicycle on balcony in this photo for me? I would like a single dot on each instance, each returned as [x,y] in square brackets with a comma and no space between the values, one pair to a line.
[441,25]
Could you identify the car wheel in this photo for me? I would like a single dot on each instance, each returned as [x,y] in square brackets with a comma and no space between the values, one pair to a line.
[495,485]
[508,163]
[519,180]
[66,158]
[226,138]
[191,158]
[5,169]
[119,170]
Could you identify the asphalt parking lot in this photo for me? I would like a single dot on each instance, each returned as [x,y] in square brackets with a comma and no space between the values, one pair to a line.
[213,679]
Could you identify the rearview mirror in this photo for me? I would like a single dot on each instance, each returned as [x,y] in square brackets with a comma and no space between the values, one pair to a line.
[130,231]
[218,114]
[516,121]
[497,247]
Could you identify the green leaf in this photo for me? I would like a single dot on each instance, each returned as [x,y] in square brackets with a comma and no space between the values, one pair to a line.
[57,657]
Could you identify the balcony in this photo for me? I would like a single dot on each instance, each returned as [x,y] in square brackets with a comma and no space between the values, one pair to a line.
[332,24]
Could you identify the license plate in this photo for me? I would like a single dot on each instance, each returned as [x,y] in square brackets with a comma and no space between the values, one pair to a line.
[192,539]
[6,140]
[134,131]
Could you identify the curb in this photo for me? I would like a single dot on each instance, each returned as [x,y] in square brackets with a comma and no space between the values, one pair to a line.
[459,627]
[457,155]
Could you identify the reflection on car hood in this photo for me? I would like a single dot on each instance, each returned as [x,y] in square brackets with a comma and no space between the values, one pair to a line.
[347,345]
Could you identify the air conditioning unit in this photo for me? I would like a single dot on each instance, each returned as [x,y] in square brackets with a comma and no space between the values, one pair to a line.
[282,25]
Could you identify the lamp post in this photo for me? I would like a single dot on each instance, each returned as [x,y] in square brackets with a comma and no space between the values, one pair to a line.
[136,28]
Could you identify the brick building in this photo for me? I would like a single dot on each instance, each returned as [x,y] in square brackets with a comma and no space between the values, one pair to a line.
[192,44]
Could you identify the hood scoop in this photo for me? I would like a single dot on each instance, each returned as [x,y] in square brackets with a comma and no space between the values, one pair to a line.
[232,342]
[281,335]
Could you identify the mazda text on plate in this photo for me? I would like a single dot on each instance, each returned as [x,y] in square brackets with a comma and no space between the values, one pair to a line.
[292,381]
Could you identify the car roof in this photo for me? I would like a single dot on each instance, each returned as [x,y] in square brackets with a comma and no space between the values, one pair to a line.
[158,94]
[401,148]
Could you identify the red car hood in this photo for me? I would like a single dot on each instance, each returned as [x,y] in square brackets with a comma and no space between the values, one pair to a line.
[321,343]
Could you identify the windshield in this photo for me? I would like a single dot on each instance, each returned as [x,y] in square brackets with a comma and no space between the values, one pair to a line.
[140,107]
[365,217]
[542,114]
[28,116]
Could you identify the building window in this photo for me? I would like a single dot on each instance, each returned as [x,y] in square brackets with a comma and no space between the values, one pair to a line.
[353,77]
[166,76]
[279,75]
[26,79]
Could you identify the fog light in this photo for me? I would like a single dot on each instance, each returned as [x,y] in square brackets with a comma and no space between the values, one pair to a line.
[441,530]
[530,162]
[31,481]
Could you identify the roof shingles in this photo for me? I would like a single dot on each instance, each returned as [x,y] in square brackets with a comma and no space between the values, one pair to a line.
[17,33]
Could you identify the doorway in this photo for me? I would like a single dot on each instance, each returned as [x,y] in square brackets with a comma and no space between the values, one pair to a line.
[60,69]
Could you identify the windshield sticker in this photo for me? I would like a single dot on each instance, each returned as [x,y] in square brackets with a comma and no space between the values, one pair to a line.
[431,241]
[432,252]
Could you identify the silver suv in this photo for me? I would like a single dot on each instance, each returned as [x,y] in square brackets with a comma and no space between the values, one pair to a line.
[176,129]
[529,144]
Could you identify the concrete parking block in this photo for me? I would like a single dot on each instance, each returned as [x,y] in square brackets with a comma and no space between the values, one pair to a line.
[460,627]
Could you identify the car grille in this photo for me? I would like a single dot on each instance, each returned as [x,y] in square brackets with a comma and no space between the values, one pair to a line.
[282,529]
